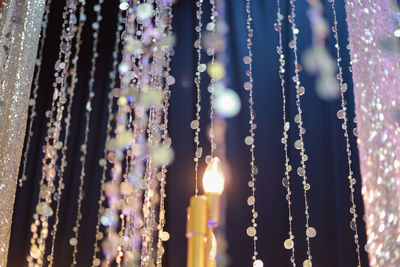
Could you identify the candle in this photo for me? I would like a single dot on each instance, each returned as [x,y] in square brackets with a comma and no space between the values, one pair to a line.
[203,216]
[196,231]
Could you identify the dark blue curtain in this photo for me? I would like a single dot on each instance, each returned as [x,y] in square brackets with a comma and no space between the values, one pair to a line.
[329,197]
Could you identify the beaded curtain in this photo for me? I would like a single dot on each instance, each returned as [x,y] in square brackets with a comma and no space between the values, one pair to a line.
[333,246]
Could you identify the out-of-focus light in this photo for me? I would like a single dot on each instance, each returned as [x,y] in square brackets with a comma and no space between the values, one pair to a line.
[213,179]
[124,6]
[227,103]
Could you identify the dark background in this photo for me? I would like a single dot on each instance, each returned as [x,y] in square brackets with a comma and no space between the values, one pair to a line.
[329,195]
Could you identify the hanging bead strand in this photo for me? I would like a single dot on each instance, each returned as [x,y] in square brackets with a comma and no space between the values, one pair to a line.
[310,232]
[250,140]
[289,243]
[342,114]
[39,227]
[96,27]
[163,236]
[63,164]
[211,89]
[32,101]
[195,124]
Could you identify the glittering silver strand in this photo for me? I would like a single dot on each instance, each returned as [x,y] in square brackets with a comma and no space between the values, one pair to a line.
[43,208]
[342,114]
[163,236]
[299,144]
[286,126]
[96,27]
[212,80]
[63,164]
[250,140]
[195,124]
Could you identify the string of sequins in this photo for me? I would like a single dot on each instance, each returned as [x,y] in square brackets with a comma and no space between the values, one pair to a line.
[71,90]
[289,243]
[169,80]
[43,207]
[96,26]
[32,101]
[148,207]
[147,236]
[299,144]
[195,124]
[249,140]
[342,114]
[213,26]
[103,162]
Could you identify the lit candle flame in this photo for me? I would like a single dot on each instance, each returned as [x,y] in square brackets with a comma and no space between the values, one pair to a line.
[213,179]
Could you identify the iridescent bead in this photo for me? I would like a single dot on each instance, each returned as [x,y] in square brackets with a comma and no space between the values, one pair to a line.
[288,244]
[311,232]
[307,263]
[251,231]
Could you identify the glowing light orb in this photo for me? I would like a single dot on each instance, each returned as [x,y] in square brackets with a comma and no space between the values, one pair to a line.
[227,103]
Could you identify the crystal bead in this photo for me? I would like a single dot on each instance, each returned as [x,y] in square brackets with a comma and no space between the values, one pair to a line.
[251,200]
[73,19]
[170,80]
[194,124]
[292,44]
[251,231]
[288,244]
[96,262]
[353,225]
[287,126]
[258,263]
[35,252]
[301,90]
[343,88]
[202,68]
[249,140]
[307,263]
[95,26]
[164,236]
[285,182]
[301,172]
[341,114]
[298,144]
[247,86]
[64,47]
[73,241]
[297,118]
[311,232]
[247,60]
